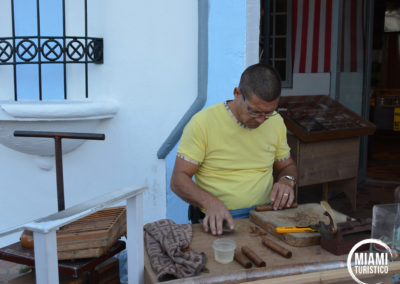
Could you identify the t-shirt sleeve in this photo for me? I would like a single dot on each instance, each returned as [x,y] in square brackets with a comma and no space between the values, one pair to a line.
[193,141]
[283,149]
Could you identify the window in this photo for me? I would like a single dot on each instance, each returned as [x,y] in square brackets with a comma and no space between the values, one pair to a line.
[275,37]
[39,48]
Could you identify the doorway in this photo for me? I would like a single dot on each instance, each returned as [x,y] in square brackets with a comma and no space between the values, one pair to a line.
[384,146]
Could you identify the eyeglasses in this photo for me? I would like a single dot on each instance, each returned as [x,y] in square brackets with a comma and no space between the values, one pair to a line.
[257,114]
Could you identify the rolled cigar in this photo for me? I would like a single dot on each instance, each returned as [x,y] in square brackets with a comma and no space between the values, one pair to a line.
[253,256]
[239,257]
[276,247]
[269,207]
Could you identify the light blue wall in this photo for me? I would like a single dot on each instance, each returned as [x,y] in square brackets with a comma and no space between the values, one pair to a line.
[226,61]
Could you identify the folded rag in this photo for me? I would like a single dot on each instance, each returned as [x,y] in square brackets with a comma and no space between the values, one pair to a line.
[167,245]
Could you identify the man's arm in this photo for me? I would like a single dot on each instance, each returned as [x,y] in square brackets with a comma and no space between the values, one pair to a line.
[282,193]
[183,185]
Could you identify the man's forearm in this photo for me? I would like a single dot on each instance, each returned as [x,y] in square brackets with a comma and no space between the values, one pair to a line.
[190,192]
[287,168]
[290,170]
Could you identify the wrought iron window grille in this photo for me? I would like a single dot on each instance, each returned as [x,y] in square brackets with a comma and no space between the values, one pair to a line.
[275,37]
[17,50]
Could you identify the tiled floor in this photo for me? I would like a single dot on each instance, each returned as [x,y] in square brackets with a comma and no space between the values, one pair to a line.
[9,270]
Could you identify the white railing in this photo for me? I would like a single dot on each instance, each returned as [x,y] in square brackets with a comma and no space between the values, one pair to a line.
[45,239]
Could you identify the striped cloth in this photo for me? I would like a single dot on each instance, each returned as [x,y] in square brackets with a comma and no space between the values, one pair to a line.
[167,245]
[312,23]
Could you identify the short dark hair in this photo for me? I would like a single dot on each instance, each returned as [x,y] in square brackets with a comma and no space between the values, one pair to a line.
[261,80]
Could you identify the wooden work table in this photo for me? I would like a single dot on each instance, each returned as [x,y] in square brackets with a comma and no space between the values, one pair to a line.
[310,264]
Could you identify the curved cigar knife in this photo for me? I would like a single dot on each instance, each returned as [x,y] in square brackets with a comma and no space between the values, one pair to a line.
[326,229]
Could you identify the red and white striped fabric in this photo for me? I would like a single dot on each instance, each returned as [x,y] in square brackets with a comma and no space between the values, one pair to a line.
[353,35]
[312,22]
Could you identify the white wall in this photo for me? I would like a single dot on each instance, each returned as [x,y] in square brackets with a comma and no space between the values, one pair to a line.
[309,84]
[252,31]
[150,69]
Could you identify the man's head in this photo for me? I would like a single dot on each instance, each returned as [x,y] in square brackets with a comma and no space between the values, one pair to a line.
[257,96]
[262,81]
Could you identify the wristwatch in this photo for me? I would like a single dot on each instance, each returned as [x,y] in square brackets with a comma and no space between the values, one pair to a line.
[290,178]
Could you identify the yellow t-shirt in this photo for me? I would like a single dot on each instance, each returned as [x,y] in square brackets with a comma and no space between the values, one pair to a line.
[235,162]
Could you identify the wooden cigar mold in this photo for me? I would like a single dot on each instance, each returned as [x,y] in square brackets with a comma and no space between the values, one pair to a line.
[348,234]
[268,207]
[239,257]
[253,256]
[276,247]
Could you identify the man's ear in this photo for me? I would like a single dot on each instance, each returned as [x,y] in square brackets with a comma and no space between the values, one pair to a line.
[236,92]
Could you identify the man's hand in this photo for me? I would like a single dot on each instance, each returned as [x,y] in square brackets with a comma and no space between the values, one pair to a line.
[183,185]
[282,194]
[216,213]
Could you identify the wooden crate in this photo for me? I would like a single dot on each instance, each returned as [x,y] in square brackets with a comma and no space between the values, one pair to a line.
[332,163]
[92,235]
[104,273]
[324,161]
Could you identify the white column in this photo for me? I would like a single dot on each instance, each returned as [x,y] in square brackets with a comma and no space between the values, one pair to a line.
[135,246]
[252,31]
[46,261]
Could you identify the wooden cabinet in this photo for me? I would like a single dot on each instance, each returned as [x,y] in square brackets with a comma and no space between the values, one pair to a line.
[324,140]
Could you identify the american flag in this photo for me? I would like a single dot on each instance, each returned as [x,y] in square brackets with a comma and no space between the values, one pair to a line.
[312,35]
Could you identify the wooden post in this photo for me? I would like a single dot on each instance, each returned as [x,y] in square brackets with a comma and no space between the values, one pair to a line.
[134,222]
[325,191]
[46,262]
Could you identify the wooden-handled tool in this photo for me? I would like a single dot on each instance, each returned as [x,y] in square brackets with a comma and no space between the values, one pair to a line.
[331,228]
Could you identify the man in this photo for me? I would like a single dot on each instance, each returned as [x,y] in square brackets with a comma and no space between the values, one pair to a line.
[231,149]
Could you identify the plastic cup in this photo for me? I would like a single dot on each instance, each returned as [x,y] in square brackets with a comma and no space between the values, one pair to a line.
[224,250]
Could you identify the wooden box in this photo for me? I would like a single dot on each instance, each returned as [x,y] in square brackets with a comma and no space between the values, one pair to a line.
[92,235]
[324,142]
[324,161]
[318,118]
[332,163]
[104,273]
[107,272]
